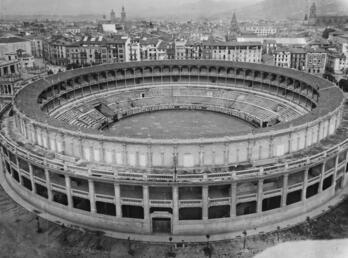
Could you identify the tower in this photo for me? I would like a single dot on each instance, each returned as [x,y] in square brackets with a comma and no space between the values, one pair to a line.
[313,11]
[312,19]
[234,28]
[123,15]
[112,16]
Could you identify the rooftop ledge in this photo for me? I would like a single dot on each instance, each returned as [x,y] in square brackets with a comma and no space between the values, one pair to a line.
[330,146]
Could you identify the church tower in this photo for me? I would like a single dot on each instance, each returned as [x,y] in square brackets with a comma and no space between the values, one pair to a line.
[234,28]
[123,15]
[312,19]
[113,16]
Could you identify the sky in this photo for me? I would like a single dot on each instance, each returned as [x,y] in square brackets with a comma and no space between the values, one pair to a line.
[133,7]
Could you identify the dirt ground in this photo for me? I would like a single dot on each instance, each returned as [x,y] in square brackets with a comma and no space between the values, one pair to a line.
[19,238]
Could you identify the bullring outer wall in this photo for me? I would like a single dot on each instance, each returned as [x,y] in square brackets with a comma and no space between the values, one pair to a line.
[224,197]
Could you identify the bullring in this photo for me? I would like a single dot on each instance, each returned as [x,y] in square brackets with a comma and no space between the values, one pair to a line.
[62,158]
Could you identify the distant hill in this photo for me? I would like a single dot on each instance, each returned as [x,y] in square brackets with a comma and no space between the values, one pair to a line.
[279,9]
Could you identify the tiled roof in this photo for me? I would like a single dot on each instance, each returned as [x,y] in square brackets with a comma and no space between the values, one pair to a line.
[11,40]
[232,43]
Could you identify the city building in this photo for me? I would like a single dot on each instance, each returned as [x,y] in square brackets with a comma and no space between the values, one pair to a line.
[89,50]
[118,49]
[180,49]
[298,58]
[261,30]
[36,47]
[10,78]
[338,63]
[73,30]
[150,49]
[282,57]
[12,44]
[133,51]
[316,61]
[194,50]
[285,41]
[250,52]
[26,61]
[55,51]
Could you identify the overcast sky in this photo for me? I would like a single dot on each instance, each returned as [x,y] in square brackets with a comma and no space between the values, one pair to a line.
[133,7]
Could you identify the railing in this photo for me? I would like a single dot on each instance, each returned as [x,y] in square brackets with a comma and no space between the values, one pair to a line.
[39,180]
[127,200]
[161,202]
[189,203]
[104,196]
[24,172]
[219,201]
[313,179]
[241,197]
[115,172]
[272,192]
[295,186]
[79,193]
[329,171]
[57,187]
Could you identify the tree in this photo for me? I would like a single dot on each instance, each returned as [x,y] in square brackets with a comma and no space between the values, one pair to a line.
[343,84]
[326,33]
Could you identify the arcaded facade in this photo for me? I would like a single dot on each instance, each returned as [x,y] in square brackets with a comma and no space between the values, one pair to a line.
[60,158]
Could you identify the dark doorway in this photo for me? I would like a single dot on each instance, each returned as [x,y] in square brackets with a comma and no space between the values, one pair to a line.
[161,225]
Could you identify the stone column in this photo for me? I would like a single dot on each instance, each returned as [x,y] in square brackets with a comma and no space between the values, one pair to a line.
[259,195]
[226,154]
[175,205]
[125,154]
[285,189]
[80,147]
[118,201]
[19,171]
[201,155]
[102,152]
[322,176]
[91,195]
[305,184]
[48,185]
[68,191]
[32,178]
[149,156]
[62,142]
[335,172]
[146,208]
[205,199]
[233,199]
[270,154]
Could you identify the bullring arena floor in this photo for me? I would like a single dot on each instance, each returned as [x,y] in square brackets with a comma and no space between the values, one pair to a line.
[179,124]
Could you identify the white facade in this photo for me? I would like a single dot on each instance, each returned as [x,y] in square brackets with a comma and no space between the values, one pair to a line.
[282,59]
[11,46]
[261,30]
[246,52]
